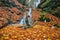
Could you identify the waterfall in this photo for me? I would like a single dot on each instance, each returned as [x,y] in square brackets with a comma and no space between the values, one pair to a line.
[23,20]
[36,3]
[30,14]
[29,19]
[33,3]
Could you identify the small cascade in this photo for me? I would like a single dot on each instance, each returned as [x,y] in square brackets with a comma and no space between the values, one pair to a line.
[37,3]
[29,19]
[33,3]
[22,21]
[30,16]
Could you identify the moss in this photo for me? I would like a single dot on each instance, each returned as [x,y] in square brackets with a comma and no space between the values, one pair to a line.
[57,25]
[43,19]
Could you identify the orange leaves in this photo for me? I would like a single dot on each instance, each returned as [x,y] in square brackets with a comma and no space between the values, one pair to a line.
[34,33]
[11,15]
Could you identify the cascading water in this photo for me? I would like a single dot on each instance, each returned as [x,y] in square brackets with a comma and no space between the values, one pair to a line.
[29,19]
[37,3]
[30,14]
[33,3]
[22,21]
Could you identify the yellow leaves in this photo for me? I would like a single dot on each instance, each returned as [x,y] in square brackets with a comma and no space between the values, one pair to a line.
[14,36]
[49,39]
[5,36]
[36,26]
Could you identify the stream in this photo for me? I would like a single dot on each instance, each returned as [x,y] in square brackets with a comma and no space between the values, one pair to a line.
[29,19]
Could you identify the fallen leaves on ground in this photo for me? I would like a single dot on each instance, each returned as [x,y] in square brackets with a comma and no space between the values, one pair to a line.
[38,32]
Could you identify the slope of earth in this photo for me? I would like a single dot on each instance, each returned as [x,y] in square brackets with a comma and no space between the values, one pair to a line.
[11,15]
[55,20]
[36,33]
[36,14]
